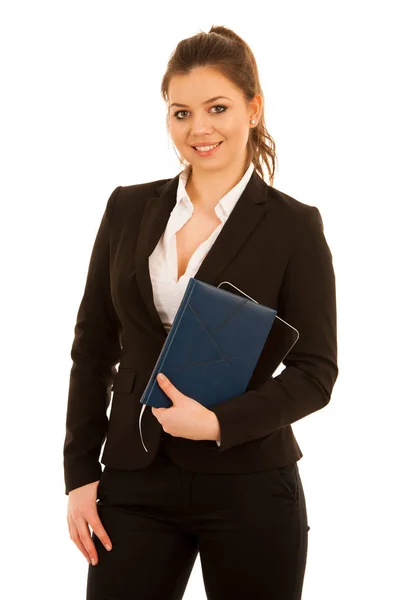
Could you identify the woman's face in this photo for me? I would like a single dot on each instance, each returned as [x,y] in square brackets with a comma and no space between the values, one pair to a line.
[193,119]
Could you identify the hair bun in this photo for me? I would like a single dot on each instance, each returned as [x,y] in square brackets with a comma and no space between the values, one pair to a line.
[228,33]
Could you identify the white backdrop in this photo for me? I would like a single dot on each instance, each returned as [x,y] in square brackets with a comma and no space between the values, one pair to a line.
[81,114]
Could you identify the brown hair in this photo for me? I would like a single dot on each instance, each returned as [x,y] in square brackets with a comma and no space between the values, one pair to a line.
[225,51]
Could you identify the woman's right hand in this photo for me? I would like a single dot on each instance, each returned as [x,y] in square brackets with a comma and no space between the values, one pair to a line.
[82,511]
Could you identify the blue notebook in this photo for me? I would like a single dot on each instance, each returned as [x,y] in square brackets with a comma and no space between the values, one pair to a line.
[212,348]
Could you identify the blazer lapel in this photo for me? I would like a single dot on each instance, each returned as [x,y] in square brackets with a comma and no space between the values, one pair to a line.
[247,213]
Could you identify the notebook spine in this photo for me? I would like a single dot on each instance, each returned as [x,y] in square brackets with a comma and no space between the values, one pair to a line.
[169,339]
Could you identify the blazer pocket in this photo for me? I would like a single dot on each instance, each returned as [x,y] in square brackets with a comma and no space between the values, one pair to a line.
[123,381]
[288,477]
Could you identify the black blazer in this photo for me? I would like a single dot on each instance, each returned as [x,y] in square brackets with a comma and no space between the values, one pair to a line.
[273,248]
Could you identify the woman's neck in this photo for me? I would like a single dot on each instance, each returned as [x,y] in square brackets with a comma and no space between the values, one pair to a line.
[205,191]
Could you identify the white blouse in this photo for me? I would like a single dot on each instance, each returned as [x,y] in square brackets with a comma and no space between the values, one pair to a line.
[168,290]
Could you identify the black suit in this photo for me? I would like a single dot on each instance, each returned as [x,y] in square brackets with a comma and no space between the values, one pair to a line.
[273,248]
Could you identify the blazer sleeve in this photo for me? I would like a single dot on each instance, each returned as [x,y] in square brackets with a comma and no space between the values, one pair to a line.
[307,300]
[96,350]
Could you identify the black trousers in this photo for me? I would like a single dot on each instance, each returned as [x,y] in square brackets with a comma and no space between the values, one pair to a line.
[251,530]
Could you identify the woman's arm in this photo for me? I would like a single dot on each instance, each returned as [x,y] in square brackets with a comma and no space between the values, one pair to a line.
[95,352]
[308,302]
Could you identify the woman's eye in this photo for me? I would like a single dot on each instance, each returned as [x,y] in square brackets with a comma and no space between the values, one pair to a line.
[177,113]
[185,111]
[220,106]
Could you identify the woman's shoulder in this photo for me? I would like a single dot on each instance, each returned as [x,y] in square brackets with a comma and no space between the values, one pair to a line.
[146,185]
[289,204]
[133,196]
[139,189]
[293,214]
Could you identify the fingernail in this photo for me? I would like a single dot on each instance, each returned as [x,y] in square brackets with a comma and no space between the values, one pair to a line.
[162,377]
[108,547]
[93,561]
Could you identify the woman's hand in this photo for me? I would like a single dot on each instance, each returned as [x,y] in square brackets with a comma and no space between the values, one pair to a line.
[186,418]
[82,510]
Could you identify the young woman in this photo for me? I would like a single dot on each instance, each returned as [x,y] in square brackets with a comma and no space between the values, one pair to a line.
[221,482]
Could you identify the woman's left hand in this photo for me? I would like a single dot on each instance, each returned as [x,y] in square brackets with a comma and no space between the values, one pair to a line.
[186,418]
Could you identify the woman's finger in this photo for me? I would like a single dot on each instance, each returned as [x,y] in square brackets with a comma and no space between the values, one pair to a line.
[74,535]
[101,533]
[82,524]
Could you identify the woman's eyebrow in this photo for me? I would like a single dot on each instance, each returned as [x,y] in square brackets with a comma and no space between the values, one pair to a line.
[206,102]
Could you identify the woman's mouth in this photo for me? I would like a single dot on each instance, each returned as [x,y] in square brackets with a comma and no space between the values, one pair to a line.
[207,150]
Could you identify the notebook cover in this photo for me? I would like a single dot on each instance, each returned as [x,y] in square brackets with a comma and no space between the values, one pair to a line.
[213,346]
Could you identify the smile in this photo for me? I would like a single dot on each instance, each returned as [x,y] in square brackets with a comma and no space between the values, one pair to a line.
[206,150]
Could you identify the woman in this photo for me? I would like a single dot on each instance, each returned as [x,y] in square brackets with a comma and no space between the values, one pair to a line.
[222,482]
